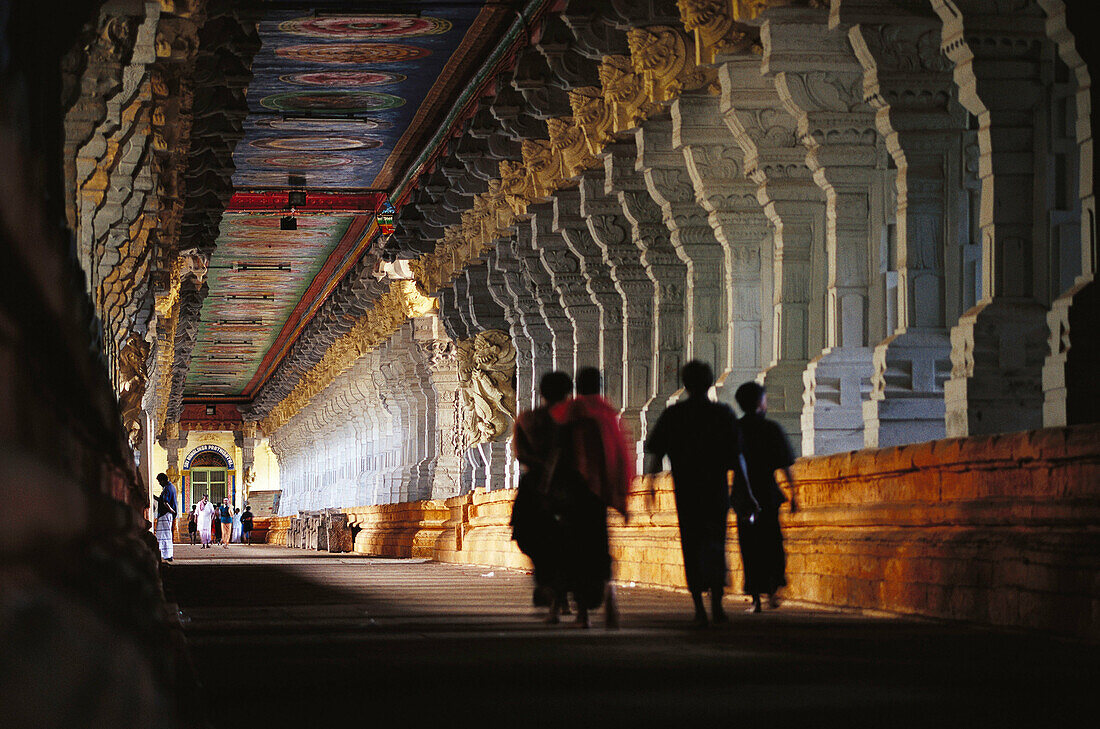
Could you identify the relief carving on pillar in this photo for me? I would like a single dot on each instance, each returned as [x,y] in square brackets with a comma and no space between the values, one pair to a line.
[569,144]
[131,387]
[623,93]
[515,185]
[712,24]
[543,167]
[593,116]
[486,368]
[665,59]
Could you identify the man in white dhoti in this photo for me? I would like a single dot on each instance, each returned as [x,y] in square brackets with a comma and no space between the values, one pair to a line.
[166,516]
[205,514]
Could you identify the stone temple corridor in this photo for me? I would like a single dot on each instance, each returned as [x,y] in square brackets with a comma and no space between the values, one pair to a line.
[312,258]
[328,637]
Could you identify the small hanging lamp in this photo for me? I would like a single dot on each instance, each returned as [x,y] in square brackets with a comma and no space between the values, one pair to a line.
[385,218]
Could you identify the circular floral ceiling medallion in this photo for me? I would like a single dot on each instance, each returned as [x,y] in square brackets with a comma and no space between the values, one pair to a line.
[332,102]
[343,78]
[366,26]
[352,52]
[303,161]
[318,126]
[316,144]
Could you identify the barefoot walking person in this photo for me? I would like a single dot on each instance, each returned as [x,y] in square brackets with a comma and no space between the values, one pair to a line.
[703,442]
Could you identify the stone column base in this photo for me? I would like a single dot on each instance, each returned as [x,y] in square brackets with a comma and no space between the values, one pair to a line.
[907,404]
[784,385]
[1071,372]
[836,382]
[997,354]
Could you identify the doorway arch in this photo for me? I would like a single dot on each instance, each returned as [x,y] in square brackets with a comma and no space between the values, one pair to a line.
[209,469]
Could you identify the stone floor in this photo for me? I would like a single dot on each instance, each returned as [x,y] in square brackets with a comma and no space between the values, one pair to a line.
[281,636]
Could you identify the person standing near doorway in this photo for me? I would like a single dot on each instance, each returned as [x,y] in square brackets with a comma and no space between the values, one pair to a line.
[192,524]
[246,524]
[166,516]
[236,538]
[225,519]
[204,514]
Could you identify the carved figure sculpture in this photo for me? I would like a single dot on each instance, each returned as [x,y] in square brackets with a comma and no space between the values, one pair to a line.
[486,366]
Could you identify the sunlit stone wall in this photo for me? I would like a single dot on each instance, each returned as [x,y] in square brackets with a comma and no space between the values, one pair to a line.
[989,529]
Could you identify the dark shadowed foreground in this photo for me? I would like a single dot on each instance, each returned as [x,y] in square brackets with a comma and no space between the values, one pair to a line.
[282,636]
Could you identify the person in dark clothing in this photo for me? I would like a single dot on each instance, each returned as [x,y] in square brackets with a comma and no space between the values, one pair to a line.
[767,450]
[703,441]
[217,525]
[593,470]
[535,528]
[247,522]
[192,524]
[166,516]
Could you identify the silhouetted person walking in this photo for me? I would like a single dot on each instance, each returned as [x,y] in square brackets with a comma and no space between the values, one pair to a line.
[535,526]
[595,466]
[703,441]
[767,450]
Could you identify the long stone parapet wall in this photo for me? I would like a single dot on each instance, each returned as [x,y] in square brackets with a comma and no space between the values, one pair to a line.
[997,530]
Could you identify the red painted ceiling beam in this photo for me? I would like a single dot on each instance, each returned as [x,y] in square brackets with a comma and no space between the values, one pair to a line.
[276,201]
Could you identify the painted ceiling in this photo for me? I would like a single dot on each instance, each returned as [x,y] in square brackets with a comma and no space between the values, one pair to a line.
[339,104]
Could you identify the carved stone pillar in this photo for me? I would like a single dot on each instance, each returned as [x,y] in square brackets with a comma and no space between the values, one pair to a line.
[485,312]
[821,83]
[174,440]
[1070,386]
[452,320]
[908,79]
[422,402]
[999,346]
[611,231]
[706,334]
[246,440]
[795,207]
[663,267]
[440,358]
[569,285]
[531,240]
[461,288]
[504,282]
[607,329]
[528,296]
[716,167]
